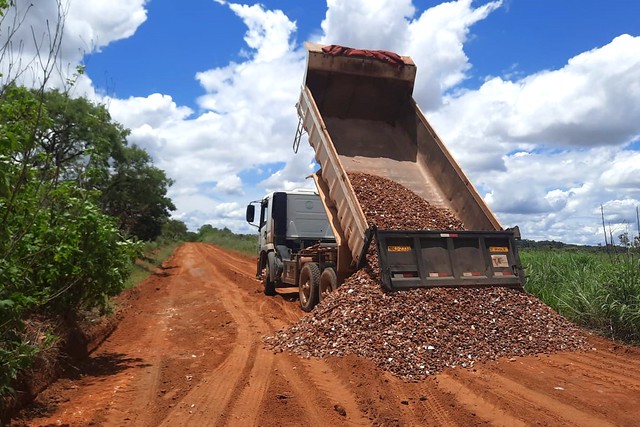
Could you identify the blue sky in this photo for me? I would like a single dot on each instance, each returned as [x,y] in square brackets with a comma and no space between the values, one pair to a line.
[526,36]
[538,100]
[176,42]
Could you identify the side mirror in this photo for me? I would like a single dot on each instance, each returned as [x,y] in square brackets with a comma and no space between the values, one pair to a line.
[251,213]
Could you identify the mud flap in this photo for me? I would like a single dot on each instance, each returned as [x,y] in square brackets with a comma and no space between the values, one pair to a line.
[414,259]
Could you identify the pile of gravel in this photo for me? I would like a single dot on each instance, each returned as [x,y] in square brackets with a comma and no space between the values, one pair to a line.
[419,332]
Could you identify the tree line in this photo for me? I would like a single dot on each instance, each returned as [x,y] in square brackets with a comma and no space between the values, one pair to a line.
[75,201]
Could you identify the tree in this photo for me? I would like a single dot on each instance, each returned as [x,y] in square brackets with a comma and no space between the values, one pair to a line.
[81,143]
[174,229]
[136,194]
[59,252]
[80,140]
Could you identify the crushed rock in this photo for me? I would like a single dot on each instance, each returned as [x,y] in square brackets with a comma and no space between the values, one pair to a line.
[419,332]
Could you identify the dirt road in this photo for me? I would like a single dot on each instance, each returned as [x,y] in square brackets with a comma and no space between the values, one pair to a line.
[189,352]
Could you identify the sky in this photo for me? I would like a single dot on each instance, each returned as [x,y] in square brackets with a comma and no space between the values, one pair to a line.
[537,100]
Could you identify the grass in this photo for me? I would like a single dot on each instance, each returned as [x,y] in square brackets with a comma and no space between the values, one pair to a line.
[225,238]
[591,289]
[154,255]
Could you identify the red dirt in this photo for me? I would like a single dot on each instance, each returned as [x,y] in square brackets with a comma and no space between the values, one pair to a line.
[189,351]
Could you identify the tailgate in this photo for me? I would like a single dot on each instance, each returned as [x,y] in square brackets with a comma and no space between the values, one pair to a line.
[413,259]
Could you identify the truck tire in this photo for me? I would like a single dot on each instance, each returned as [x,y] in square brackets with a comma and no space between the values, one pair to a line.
[328,283]
[269,285]
[308,286]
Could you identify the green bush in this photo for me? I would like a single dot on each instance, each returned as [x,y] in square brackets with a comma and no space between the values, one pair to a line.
[64,165]
[58,258]
[58,251]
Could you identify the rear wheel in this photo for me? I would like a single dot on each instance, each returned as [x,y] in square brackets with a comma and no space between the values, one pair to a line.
[328,283]
[269,285]
[308,286]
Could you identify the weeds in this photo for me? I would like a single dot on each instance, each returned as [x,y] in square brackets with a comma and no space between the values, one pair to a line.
[225,238]
[154,254]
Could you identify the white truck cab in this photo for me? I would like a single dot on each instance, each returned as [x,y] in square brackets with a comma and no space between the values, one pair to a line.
[289,222]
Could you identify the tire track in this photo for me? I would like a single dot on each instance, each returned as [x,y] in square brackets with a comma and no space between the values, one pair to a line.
[305,395]
[510,400]
[305,377]
[211,401]
[475,404]
[332,390]
[628,379]
[537,403]
[607,362]
[434,407]
[143,389]
[246,410]
[608,358]
[583,387]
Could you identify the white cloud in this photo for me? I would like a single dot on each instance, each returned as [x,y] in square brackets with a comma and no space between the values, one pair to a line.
[624,172]
[230,185]
[219,215]
[549,147]
[269,31]
[34,30]
[620,212]
[248,121]
[97,23]
[436,41]
[591,101]
[154,110]
[296,173]
[558,199]
[367,24]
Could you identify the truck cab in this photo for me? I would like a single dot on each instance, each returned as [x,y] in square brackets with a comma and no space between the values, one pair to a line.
[289,223]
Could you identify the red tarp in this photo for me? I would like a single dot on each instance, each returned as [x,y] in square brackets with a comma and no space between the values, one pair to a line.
[381,55]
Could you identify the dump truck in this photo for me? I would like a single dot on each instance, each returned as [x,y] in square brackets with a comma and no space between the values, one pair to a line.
[357,108]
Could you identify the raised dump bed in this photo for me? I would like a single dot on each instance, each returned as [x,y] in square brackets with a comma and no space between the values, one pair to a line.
[358,111]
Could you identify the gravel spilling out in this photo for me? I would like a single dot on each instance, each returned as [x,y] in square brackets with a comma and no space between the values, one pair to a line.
[392,206]
[419,332]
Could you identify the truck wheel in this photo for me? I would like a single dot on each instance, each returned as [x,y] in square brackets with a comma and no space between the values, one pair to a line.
[269,285]
[328,283]
[308,286]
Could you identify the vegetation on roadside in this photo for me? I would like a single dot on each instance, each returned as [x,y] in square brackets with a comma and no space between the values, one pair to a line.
[154,253]
[225,238]
[76,203]
[592,288]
